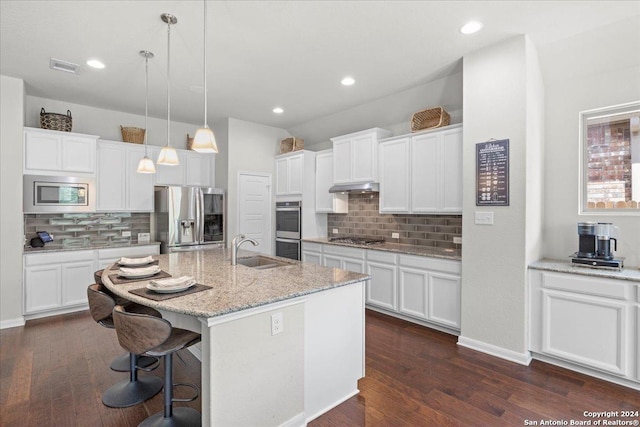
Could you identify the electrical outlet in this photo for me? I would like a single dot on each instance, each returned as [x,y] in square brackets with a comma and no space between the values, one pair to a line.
[334,231]
[277,323]
[395,235]
[457,240]
[144,237]
[126,234]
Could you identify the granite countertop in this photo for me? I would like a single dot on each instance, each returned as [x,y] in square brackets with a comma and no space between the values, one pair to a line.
[235,288]
[45,249]
[632,273]
[428,251]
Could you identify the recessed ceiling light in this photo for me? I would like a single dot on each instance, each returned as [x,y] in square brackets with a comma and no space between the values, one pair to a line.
[278,110]
[95,64]
[471,27]
[347,81]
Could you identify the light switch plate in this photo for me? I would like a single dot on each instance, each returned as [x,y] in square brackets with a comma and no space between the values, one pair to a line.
[126,234]
[334,231]
[395,235]
[457,240]
[144,237]
[484,218]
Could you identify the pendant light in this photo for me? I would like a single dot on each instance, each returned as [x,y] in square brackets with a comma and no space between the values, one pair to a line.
[168,155]
[204,141]
[146,164]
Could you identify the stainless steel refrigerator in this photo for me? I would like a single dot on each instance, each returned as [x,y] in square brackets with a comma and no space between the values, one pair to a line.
[189,218]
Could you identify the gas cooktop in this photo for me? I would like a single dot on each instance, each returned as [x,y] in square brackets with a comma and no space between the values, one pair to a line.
[357,240]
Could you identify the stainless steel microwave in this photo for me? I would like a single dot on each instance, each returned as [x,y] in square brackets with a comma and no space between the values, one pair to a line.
[43,194]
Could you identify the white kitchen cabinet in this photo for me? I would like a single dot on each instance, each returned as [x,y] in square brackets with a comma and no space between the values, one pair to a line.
[59,280]
[586,321]
[638,338]
[422,173]
[200,169]
[382,288]
[290,174]
[108,256]
[120,187]
[169,175]
[48,152]
[312,252]
[345,258]
[355,156]
[328,202]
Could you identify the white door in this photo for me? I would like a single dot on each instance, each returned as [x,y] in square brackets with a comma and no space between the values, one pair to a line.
[254,210]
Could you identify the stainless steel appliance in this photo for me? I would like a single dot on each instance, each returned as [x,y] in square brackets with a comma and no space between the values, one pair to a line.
[42,194]
[594,245]
[289,229]
[189,218]
[352,240]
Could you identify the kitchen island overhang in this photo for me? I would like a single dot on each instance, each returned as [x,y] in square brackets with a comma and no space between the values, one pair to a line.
[249,375]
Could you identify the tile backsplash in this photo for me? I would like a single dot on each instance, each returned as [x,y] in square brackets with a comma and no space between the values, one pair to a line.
[364,220]
[79,230]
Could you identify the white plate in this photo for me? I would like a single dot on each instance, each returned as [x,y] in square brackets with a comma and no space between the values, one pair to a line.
[138,274]
[171,289]
[135,262]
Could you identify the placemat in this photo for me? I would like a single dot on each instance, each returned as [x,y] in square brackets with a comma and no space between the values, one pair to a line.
[148,293]
[117,266]
[119,280]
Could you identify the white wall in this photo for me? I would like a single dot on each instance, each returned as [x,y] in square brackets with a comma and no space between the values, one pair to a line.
[581,81]
[252,148]
[495,257]
[11,224]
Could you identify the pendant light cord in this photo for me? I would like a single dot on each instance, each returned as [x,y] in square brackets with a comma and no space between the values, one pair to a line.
[205,64]
[146,100]
[168,81]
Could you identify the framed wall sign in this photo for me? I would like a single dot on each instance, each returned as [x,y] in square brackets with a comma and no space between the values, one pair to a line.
[492,173]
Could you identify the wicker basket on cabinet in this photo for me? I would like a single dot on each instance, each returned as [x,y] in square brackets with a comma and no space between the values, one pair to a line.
[429,119]
[133,135]
[288,145]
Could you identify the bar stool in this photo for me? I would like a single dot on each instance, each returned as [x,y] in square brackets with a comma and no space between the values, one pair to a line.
[147,335]
[121,363]
[134,390]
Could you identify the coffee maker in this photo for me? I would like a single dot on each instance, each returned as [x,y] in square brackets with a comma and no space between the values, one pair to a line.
[594,245]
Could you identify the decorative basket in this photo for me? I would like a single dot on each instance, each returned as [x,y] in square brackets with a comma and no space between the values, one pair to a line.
[190,141]
[132,135]
[55,121]
[430,119]
[288,145]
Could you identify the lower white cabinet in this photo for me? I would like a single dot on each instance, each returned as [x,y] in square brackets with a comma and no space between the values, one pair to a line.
[350,259]
[312,252]
[382,290]
[587,321]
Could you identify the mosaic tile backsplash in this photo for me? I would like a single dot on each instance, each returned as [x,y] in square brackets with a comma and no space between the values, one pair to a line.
[364,220]
[84,230]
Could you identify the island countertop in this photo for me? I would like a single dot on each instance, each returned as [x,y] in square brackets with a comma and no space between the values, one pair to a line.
[234,288]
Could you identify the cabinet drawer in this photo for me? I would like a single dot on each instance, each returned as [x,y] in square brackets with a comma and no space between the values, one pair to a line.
[344,251]
[434,264]
[311,247]
[617,289]
[57,257]
[379,256]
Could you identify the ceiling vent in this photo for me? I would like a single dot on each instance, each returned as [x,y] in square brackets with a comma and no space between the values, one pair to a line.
[67,67]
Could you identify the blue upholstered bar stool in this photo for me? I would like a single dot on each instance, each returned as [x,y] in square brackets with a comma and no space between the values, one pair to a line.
[136,389]
[142,334]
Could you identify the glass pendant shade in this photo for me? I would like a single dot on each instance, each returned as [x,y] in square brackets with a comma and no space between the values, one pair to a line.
[204,141]
[146,166]
[168,156]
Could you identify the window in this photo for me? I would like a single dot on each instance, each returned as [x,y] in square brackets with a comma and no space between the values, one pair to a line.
[610,165]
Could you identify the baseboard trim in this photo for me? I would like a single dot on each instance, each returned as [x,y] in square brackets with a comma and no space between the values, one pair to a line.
[296,421]
[12,323]
[493,350]
[333,405]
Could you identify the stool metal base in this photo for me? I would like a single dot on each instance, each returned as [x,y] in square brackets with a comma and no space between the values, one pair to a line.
[121,363]
[181,417]
[128,393]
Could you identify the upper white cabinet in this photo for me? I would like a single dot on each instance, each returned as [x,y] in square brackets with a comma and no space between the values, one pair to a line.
[195,169]
[290,174]
[48,152]
[328,202]
[422,173]
[120,187]
[355,156]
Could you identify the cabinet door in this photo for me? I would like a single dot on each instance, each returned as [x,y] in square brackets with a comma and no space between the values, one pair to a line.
[394,176]
[312,257]
[76,276]
[413,285]
[586,330]
[139,186]
[637,335]
[282,177]
[198,169]
[295,175]
[42,152]
[78,154]
[451,171]
[424,173]
[332,261]
[444,299]
[364,163]
[42,288]
[169,175]
[328,202]
[342,161]
[111,177]
[382,286]
[355,265]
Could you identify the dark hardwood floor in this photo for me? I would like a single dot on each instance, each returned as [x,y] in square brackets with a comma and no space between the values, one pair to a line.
[53,372]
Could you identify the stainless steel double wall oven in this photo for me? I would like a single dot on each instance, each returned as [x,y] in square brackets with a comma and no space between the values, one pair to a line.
[289,229]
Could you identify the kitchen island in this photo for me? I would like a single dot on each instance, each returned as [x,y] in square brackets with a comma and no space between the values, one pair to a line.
[251,376]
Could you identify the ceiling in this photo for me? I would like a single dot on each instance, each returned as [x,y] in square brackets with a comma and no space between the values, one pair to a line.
[263,54]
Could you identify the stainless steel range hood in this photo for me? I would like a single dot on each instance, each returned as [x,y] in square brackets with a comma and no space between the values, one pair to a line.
[363,187]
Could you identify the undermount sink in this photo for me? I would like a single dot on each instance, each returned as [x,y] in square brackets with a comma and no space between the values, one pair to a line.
[260,262]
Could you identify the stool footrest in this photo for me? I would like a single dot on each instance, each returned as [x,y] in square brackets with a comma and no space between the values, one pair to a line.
[190,399]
